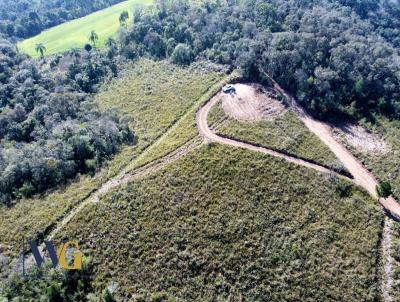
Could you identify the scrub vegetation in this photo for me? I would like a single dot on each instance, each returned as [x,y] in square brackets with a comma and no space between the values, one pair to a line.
[223,222]
[219,223]
[383,164]
[284,133]
[155,96]
[161,98]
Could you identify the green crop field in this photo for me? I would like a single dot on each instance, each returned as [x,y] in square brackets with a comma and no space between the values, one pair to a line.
[75,34]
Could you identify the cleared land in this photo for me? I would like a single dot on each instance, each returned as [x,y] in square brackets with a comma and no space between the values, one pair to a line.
[173,92]
[75,33]
[224,222]
[162,99]
[361,176]
[173,225]
[265,122]
[383,159]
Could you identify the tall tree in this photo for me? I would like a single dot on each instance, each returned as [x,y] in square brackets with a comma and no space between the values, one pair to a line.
[93,38]
[111,43]
[41,49]
[112,47]
[123,18]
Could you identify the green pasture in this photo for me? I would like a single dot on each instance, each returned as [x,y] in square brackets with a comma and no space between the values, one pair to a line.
[75,33]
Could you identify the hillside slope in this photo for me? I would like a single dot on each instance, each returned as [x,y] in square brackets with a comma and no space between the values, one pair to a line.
[35,217]
[211,226]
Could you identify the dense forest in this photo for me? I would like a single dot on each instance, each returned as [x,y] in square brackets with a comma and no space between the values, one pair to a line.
[339,58]
[26,18]
[50,127]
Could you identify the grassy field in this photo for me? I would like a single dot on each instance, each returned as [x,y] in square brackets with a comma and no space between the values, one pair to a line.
[225,224]
[162,99]
[285,133]
[156,104]
[219,224]
[75,33]
[386,167]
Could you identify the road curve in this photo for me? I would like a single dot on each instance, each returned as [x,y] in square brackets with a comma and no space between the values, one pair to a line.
[207,133]
[362,177]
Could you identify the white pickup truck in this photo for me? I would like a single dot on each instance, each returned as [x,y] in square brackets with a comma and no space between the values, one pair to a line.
[228,89]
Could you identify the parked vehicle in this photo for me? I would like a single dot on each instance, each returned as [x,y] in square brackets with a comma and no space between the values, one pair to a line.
[228,89]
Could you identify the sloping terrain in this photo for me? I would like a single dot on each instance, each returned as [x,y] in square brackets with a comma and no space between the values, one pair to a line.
[211,223]
[223,222]
[384,163]
[273,127]
[34,218]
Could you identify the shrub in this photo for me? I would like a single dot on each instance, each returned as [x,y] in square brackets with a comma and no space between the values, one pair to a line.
[384,189]
[88,47]
[108,296]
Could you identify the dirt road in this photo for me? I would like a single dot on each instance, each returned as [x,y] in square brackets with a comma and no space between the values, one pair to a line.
[210,136]
[362,177]
[124,178]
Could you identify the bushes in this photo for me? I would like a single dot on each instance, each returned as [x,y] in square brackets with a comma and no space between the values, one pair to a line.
[53,285]
[108,296]
[384,189]
[343,188]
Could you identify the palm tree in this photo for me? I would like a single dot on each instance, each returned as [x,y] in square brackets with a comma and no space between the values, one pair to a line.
[93,38]
[123,18]
[40,48]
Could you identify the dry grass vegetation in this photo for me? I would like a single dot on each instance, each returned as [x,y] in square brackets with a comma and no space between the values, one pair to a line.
[284,133]
[384,164]
[30,218]
[156,95]
[224,223]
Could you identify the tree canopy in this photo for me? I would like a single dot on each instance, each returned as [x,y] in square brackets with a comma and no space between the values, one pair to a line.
[339,58]
[50,128]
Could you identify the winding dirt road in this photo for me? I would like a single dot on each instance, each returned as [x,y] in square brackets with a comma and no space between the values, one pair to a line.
[211,136]
[362,177]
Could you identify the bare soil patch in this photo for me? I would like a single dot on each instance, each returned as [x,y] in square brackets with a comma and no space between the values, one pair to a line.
[363,140]
[252,103]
